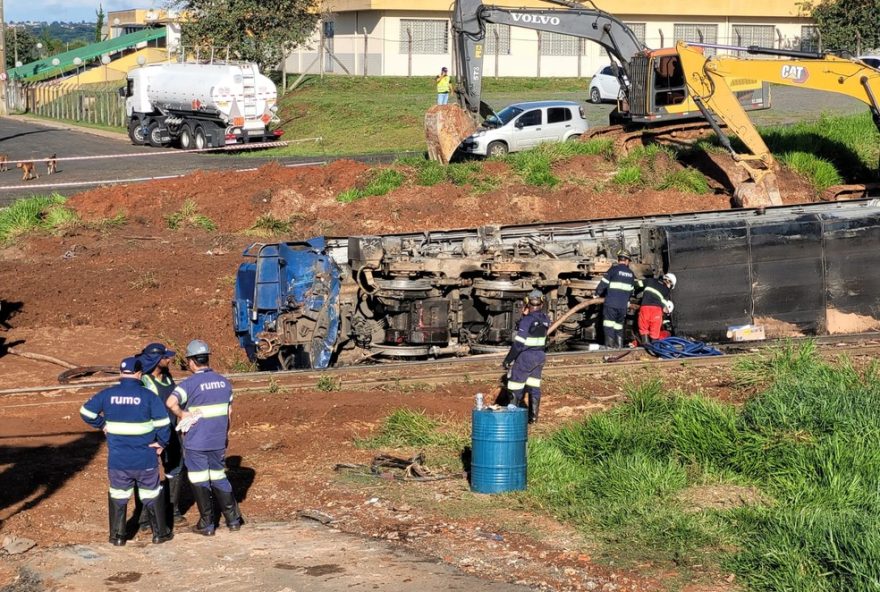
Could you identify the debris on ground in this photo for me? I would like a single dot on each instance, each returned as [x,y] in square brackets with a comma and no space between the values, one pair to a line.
[413,468]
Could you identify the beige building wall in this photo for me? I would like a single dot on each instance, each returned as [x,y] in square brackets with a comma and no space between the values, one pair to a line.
[373,32]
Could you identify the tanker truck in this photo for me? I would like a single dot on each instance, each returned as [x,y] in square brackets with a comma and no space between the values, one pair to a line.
[193,105]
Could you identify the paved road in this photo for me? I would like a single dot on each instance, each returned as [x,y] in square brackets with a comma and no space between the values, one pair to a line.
[260,557]
[28,140]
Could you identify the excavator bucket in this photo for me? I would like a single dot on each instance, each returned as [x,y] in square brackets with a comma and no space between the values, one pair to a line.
[762,192]
[446,126]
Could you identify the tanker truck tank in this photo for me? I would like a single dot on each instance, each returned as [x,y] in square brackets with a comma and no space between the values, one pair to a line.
[199,105]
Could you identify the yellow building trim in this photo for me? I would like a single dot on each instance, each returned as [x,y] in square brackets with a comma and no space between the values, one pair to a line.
[677,8]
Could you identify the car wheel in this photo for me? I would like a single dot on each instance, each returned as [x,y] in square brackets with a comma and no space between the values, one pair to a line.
[573,138]
[199,138]
[154,136]
[136,133]
[496,149]
[595,97]
[185,138]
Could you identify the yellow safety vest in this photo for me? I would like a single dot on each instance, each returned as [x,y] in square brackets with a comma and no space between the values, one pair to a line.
[443,84]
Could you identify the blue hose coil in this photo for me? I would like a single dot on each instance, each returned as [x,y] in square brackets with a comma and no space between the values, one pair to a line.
[680,347]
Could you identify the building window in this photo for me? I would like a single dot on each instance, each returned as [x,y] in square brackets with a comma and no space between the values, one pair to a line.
[556,44]
[696,33]
[503,32]
[810,38]
[638,28]
[428,36]
[748,35]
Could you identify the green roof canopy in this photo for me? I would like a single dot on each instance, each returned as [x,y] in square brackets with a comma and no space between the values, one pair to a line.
[43,68]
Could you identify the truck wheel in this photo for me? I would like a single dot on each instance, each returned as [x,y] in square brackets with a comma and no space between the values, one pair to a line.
[199,138]
[496,149]
[136,133]
[185,137]
[154,136]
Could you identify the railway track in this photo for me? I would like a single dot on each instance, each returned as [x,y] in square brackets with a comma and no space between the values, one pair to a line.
[480,369]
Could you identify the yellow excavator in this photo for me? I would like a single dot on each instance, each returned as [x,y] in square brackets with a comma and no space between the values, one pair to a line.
[709,81]
[652,81]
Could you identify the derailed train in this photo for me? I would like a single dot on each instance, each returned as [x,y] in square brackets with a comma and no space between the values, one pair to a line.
[330,301]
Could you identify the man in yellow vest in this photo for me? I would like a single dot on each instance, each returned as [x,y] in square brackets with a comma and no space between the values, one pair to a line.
[442,81]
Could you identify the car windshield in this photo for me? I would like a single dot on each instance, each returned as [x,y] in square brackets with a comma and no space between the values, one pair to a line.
[503,117]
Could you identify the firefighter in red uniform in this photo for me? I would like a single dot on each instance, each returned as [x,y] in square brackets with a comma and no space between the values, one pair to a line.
[655,301]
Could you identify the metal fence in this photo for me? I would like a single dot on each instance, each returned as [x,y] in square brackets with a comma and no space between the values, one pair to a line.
[94,103]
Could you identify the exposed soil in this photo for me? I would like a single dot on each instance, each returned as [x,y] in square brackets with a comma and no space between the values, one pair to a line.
[101,292]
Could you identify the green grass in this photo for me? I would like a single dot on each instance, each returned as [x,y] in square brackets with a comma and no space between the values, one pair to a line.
[687,180]
[820,172]
[806,444]
[268,225]
[535,166]
[189,217]
[405,428]
[38,213]
[380,182]
[637,168]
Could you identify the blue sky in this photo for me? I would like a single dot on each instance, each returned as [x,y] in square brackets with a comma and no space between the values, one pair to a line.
[68,10]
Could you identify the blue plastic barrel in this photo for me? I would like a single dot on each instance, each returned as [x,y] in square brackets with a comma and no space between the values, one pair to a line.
[498,450]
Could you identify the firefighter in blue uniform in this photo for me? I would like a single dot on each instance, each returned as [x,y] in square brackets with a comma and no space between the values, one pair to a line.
[202,404]
[137,427]
[617,287]
[156,361]
[525,360]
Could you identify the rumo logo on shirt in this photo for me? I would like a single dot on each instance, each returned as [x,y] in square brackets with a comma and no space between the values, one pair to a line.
[125,400]
[209,386]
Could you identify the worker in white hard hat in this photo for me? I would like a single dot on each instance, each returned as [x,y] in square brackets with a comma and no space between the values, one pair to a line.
[525,360]
[656,300]
[202,404]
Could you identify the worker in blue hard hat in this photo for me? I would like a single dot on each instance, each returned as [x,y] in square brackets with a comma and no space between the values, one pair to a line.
[156,361]
[525,360]
[202,404]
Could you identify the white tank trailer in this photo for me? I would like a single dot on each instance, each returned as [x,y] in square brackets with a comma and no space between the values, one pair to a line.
[199,105]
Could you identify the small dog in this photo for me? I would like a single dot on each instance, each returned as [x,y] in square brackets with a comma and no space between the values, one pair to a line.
[28,170]
[4,163]
[51,165]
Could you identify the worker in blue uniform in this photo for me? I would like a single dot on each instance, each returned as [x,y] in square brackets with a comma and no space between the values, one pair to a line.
[202,404]
[616,286]
[525,360]
[137,427]
[156,361]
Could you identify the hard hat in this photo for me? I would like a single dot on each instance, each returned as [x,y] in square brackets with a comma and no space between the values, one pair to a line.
[197,347]
[534,298]
[624,254]
[670,277]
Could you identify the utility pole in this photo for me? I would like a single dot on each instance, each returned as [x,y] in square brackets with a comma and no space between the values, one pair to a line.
[3,111]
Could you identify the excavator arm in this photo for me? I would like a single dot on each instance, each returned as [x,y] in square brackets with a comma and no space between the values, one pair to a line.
[447,126]
[469,35]
[709,78]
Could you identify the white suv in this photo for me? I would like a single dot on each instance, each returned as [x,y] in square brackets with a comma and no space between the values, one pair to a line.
[525,125]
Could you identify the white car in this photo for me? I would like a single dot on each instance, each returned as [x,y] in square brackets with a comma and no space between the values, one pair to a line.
[525,125]
[873,61]
[604,86]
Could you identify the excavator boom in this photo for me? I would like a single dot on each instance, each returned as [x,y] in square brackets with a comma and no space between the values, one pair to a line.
[709,79]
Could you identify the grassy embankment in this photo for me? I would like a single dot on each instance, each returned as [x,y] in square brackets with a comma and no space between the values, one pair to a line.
[783,491]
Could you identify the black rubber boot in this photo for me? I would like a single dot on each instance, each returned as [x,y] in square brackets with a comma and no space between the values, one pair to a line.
[206,511]
[609,341]
[174,488]
[142,514]
[644,340]
[117,521]
[534,408]
[229,509]
[158,521]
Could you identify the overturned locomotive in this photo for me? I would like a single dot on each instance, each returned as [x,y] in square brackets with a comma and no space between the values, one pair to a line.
[327,301]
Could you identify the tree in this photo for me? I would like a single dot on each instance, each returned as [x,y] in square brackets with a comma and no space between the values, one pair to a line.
[99,26]
[253,30]
[849,25]
[21,42]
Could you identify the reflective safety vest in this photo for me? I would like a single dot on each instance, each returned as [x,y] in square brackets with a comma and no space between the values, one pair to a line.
[133,418]
[531,336]
[443,84]
[617,286]
[210,395]
[655,292]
